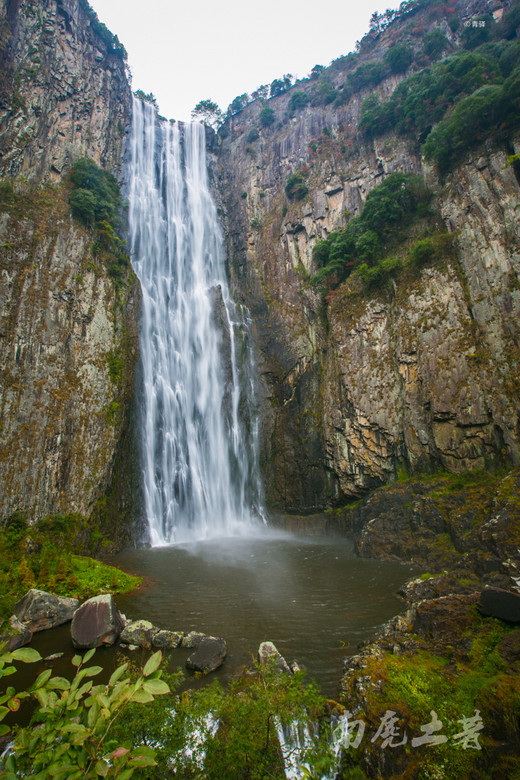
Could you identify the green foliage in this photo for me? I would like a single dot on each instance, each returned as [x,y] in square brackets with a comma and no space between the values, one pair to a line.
[245,745]
[253,136]
[279,86]
[388,208]
[454,104]
[111,41]
[43,555]
[148,97]
[266,116]
[95,199]
[435,43]
[398,58]
[478,31]
[238,103]
[297,101]
[369,74]
[296,188]
[208,112]
[472,120]
[69,735]
[323,94]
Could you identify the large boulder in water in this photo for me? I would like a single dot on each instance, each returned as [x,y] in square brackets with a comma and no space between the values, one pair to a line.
[39,610]
[208,656]
[97,622]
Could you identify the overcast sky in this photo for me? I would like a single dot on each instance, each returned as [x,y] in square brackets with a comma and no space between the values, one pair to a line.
[184,52]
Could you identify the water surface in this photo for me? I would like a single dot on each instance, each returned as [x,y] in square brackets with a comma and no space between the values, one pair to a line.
[311,596]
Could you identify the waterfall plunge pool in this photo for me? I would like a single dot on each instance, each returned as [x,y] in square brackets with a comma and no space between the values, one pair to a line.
[311,596]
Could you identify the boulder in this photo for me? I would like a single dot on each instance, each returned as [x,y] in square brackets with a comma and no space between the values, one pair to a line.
[167,640]
[268,654]
[193,639]
[39,610]
[499,603]
[139,632]
[509,648]
[15,634]
[208,656]
[97,622]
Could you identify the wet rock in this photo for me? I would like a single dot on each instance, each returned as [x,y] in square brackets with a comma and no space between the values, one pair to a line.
[15,634]
[193,639]
[39,610]
[97,622]
[498,603]
[269,654]
[445,620]
[167,640]
[509,648]
[138,632]
[208,656]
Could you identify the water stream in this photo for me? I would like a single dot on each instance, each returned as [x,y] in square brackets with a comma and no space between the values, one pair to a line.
[198,424]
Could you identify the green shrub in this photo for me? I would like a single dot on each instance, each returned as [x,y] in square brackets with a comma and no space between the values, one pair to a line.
[297,101]
[388,208]
[296,188]
[70,732]
[398,58]
[323,94]
[435,43]
[367,75]
[266,116]
[252,136]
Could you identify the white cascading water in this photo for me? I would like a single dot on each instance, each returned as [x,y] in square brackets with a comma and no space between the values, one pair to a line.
[198,425]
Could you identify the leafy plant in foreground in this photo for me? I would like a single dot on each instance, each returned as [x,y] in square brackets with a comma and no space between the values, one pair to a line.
[69,735]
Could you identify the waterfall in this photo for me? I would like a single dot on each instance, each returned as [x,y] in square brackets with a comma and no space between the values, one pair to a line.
[198,429]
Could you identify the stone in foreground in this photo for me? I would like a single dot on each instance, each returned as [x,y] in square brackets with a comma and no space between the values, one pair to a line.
[208,656]
[39,610]
[193,639]
[269,654]
[138,632]
[15,634]
[167,640]
[97,622]
[498,603]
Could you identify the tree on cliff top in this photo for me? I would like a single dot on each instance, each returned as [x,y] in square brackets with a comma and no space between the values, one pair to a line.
[207,112]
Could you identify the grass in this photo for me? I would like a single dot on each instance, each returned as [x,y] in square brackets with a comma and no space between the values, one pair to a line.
[47,556]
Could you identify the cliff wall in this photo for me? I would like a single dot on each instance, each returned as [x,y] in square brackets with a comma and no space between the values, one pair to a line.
[418,374]
[68,334]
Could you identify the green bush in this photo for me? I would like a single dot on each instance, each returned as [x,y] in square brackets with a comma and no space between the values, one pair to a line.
[296,188]
[323,94]
[435,43]
[297,101]
[398,58]
[388,209]
[70,732]
[367,75]
[266,116]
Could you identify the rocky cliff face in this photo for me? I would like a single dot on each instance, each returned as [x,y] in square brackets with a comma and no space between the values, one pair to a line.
[63,90]
[68,341]
[420,374]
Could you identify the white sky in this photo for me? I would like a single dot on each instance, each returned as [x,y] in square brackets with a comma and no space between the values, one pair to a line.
[186,51]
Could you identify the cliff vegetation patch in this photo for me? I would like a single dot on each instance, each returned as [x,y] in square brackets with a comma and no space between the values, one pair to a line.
[46,556]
